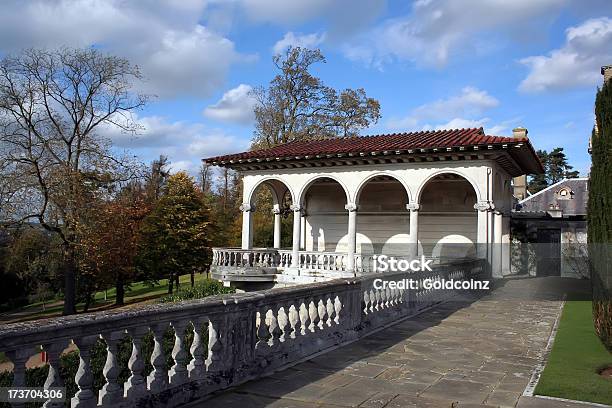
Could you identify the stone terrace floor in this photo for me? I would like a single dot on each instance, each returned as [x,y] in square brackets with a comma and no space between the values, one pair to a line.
[459,354]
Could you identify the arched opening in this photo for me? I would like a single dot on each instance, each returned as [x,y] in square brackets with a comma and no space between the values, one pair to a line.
[271,198]
[324,218]
[383,222]
[448,223]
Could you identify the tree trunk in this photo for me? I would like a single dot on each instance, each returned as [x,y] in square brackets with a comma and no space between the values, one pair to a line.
[177,282]
[192,279]
[170,283]
[120,292]
[69,283]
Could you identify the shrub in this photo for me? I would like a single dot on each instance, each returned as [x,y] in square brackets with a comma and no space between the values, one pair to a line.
[203,289]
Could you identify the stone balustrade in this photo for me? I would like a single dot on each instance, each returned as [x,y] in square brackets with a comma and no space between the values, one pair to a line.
[234,338]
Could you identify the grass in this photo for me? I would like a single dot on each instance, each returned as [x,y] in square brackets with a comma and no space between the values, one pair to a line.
[576,357]
[137,292]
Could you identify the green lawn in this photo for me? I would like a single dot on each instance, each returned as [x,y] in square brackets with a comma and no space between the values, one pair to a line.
[137,292]
[577,355]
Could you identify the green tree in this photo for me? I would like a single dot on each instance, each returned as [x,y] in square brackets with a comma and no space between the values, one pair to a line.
[556,168]
[600,216]
[297,105]
[175,235]
[52,105]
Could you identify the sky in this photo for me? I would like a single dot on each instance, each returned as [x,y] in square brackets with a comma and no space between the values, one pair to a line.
[432,64]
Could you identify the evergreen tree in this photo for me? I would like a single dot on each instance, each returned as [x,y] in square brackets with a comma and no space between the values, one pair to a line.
[539,181]
[600,216]
[175,236]
[556,168]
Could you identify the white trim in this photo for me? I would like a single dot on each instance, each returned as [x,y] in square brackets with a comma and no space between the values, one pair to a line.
[551,186]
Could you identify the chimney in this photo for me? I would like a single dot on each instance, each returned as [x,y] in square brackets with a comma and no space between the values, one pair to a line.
[606,71]
[519,133]
[519,183]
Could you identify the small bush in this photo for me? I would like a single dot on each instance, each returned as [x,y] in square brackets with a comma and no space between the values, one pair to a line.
[203,289]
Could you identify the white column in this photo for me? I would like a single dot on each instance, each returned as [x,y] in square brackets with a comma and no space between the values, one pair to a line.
[482,234]
[302,231]
[490,237]
[352,236]
[247,225]
[497,242]
[414,229]
[297,223]
[506,254]
[277,226]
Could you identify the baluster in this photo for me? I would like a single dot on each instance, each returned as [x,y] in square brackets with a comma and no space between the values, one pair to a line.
[54,352]
[366,302]
[294,320]
[284,323]
[215,361]
[313,313]
[158,378]
[322,313]
[111,392]
[304,314]
[263,334]
[330,310]
[178,373]
[338,309]
[19,359]
[136,386]
[85,396]
[275,330]
[383,298]
[197,366]
[378,295]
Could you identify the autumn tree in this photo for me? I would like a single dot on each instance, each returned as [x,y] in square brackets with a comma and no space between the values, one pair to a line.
[175,238]
[53,104]
[109,241]
[297,105]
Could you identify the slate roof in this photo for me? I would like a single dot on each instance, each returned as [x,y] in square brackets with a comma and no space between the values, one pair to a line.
[395,142]
[576,205]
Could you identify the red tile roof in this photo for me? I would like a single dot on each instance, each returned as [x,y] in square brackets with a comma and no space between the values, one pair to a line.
[441,139]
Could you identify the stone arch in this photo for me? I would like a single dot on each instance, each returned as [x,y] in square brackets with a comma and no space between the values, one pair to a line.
[421,188]
[371,177]
[448,224]
[274,184]
[311,181]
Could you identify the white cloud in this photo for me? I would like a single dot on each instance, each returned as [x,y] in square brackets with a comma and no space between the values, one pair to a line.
[470,102]
[235,106]
[185,144]
[464,110]
[291,39]
[436,29]
[177,54]
[587,47]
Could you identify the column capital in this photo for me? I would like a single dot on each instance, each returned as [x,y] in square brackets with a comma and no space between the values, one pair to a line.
[350,207]
[295,208]
[484,206]
[276,210]
[246,207]
[413,206]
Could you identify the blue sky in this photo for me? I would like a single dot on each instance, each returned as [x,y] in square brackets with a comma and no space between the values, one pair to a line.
[431,63]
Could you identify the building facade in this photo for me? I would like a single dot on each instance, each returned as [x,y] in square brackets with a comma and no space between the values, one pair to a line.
[440,194]
[551,225]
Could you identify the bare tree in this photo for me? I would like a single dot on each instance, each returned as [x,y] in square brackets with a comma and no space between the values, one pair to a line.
[53,159]
[297,105]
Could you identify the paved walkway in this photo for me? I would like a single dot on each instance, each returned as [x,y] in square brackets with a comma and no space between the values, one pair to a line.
[456,355]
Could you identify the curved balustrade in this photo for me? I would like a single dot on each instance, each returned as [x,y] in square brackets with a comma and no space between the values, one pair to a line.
[234,338]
